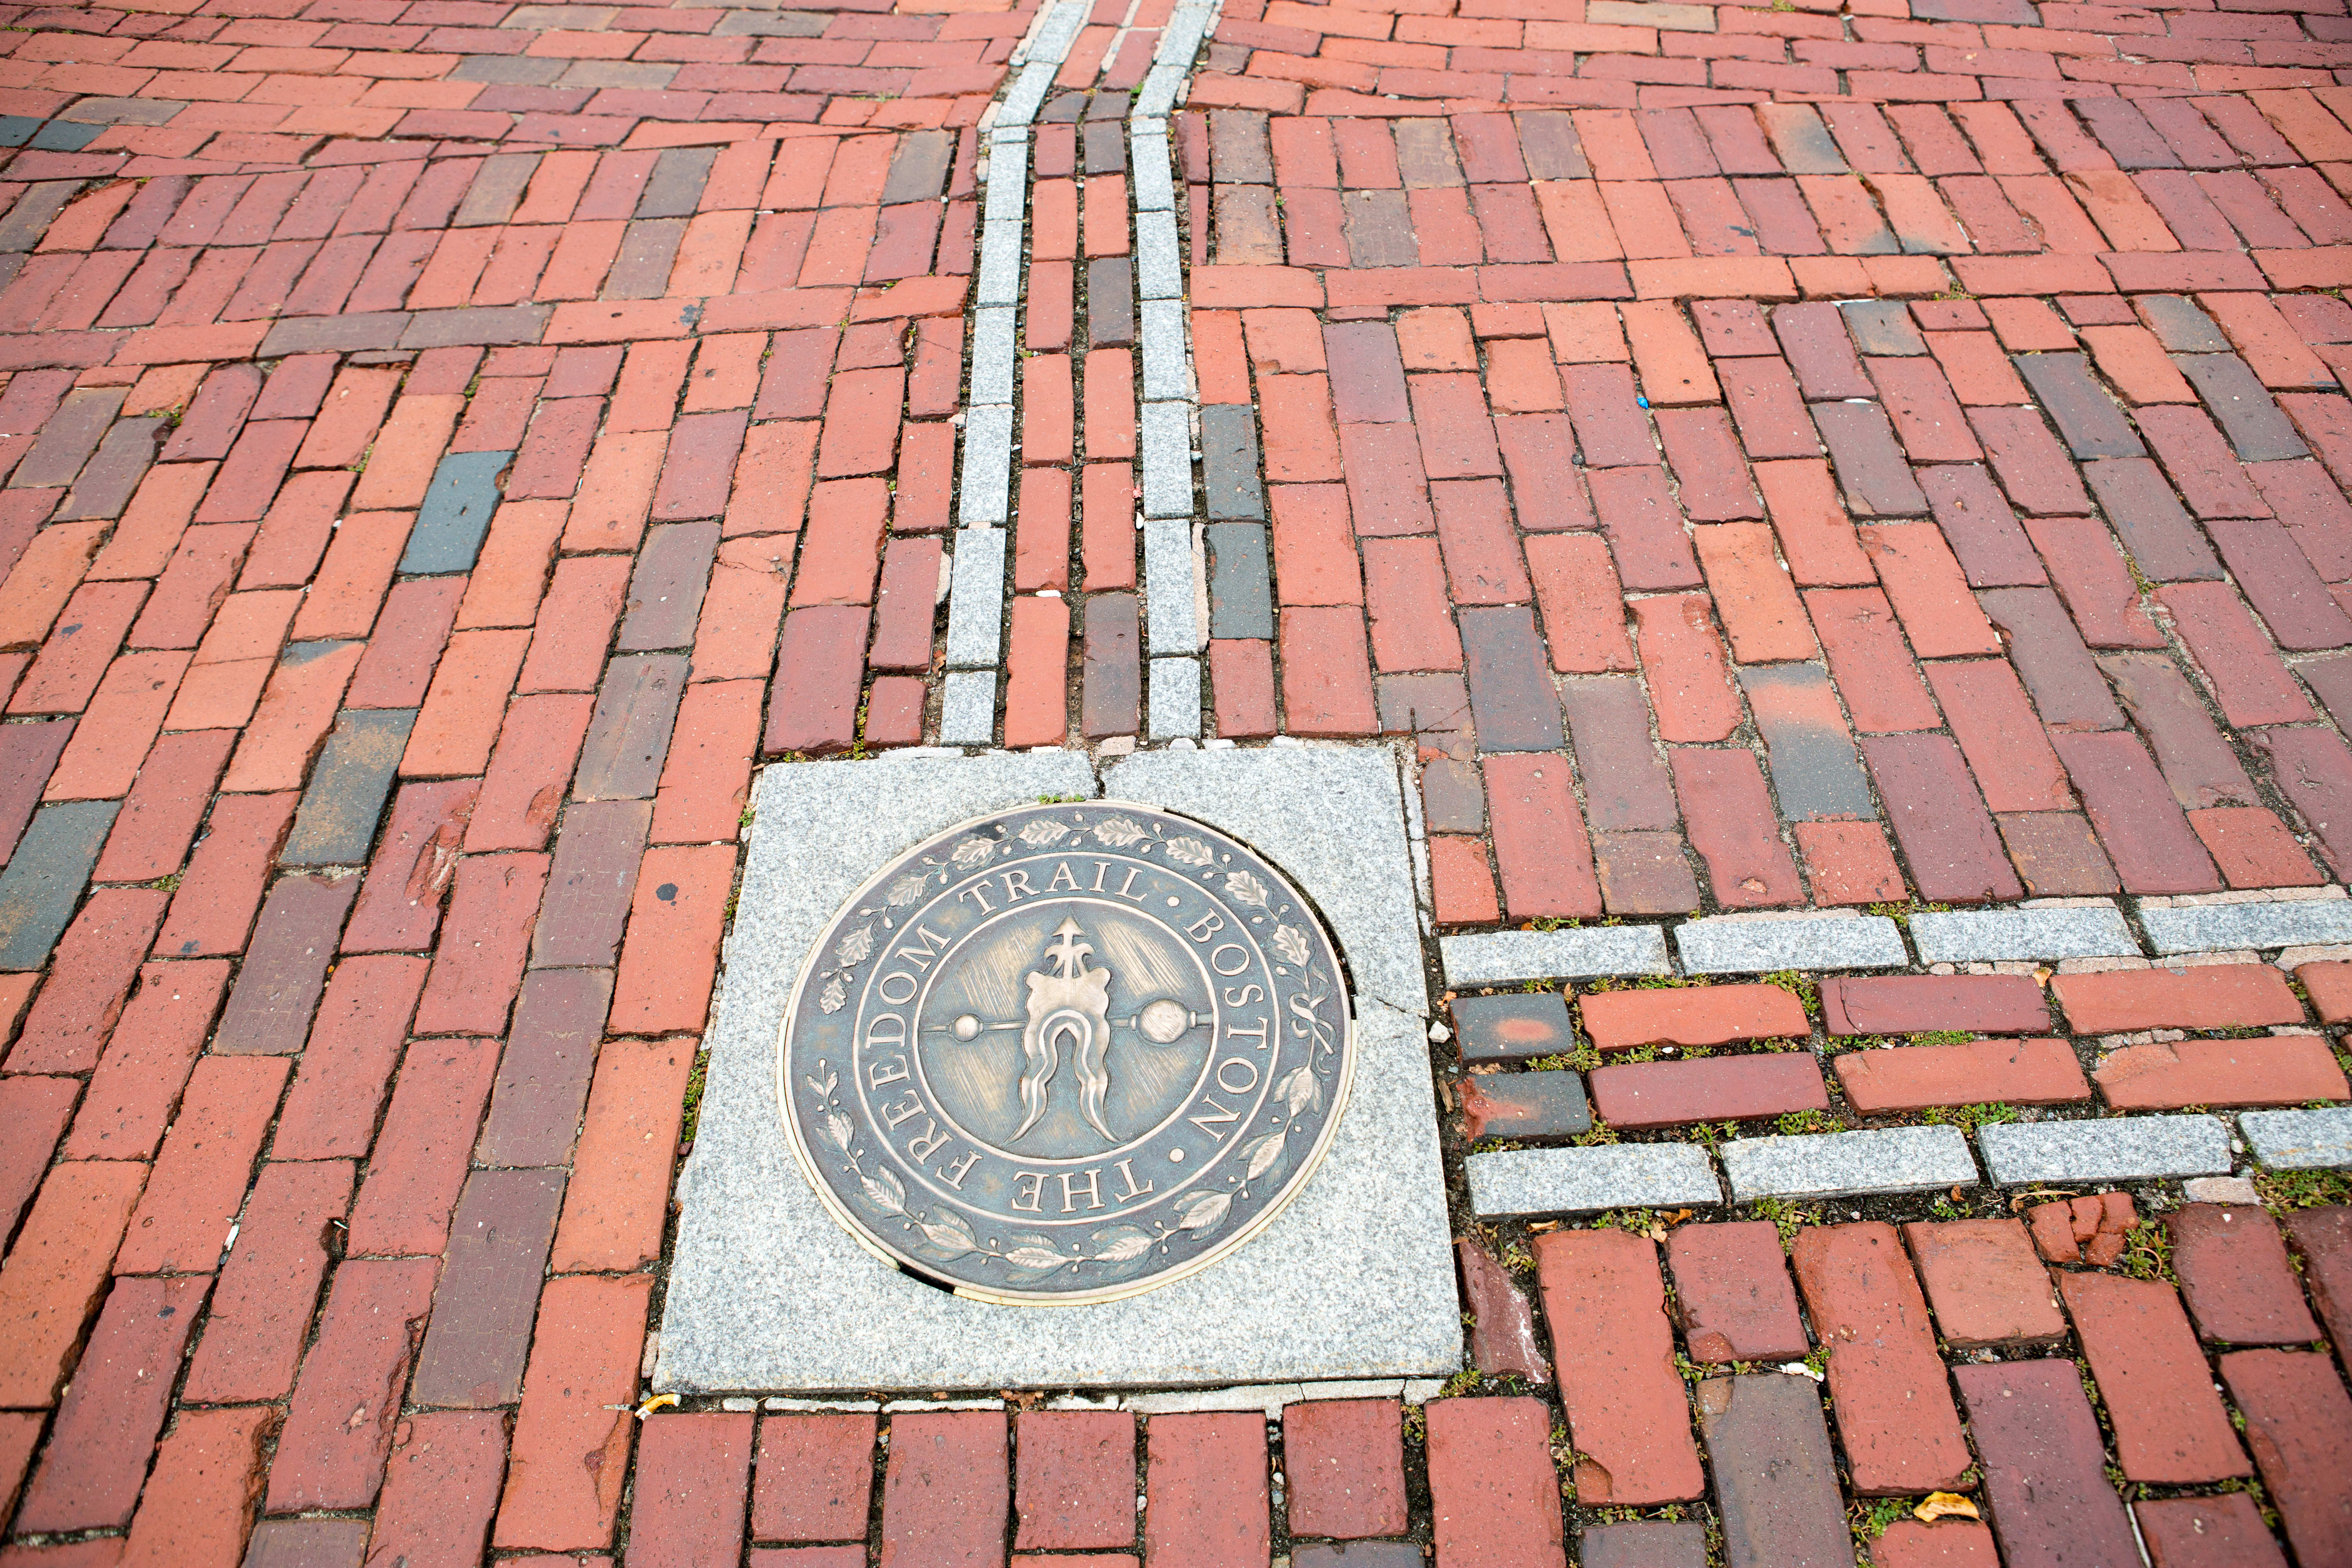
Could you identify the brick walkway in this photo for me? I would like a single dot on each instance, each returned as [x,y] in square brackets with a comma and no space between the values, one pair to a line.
[1834,455]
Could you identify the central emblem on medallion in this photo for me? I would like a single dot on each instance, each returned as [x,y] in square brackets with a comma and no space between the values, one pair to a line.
[1065,1053]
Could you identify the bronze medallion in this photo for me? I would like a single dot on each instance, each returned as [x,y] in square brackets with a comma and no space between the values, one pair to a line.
[1065,1053]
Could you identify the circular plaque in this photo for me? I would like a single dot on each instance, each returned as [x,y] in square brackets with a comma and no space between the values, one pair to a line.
[1065,1053]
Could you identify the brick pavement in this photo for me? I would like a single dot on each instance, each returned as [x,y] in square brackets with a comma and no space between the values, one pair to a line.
[1838,454]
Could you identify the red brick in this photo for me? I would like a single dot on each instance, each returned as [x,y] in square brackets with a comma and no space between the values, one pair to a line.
[2299,1425]
[1692,1016]
[440,1486]
[339,1428]
[2168,1422]
[206,1487]
[419,1160]
[183,1224]
[1954,850]
[2206,996]
[356,572]
[1494,1494]
[1735,1089]
[1540,845]
[1894,1410]
[465,706]
[2225,1531]
[261,1309]
[1462,883]
[138,1083]
[1848,862]
[1345,1462]
[400,900]
[571,1453]
[158,821]
[1752,593]
[674,923]
[1733,828]
[1986,1283]
[1583,610]
[707,773]
[1684,661]
[2287,1070]
[538,744]
[39,1109]
[508,578]
[1326,673]
[90,979]
[576,619]
[1910,1004]
[815,1479]
[1946,1543]
[692,1474]
[2235,1275]
[945,1491]
[1073,1487]
[1732,1293]
[617,1203]
[1916,1078]
[480,959]
[56,1269]
[1613,1347]
[91,629]
[96,1456]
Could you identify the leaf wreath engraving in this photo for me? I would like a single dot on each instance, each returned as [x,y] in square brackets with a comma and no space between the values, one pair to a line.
[838,1128]
[1203,1211]
[1189,851]
[884,1189]
[1043,831]
[824,1086]
[1121,1244]
[1290,944]
[1245,889]
[1119,831]
[855,948]
[947,1231]
[1299,1090]
[973,852]
[1263,1153]
[1036,1255]
[908,888]
[834,995]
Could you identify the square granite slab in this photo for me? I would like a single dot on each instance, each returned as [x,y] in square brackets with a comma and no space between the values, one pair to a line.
[1354,1279]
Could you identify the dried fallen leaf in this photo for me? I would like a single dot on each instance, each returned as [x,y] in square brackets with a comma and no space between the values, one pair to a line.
[1944,1505]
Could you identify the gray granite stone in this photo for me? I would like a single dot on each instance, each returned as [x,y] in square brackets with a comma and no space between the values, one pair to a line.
[968,707]
[1175,698]
[456,514]
[1158,256]
[1527,1182]
[1167,432]
[976,598]
[2105,1149]
[1241,590]
[985,496]
[2228,928]
[1354,1279]
[1755,945]
[1828,1164]
[1171,572]
[1007,199]
[1589,953]
[2300,1140]
[991,355]
[999,264]
[1167,370]
[46,876]
[1965,936]
[1155,189]
[1229,465]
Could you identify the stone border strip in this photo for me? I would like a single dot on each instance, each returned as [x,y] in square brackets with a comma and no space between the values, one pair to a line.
[1520,1182]
[984,490]
[1842,1164]
[1174,587]
[2105,1149]
[1508,957]
[2092,929]
[1757,944]
[2179,925]
[2300,1140]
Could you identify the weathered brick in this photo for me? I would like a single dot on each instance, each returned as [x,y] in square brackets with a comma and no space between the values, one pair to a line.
[2169,1427]
[2235,1275]
[440,1486]
[945,1491]
[1494,1494]
[1986,1283]
[693,1475]
[339,1428]
[1886,1380]
[96,1456]
[2051,1498]
[261,1309]
[617,1201]
[1732,1293]
[1345,1462]
[2299,1425]
[1697,1015]
[2209,997]
[1073,1485]
[815,1477]
[499,1240]
[183,1221]
[572,1433]
[1611,1342]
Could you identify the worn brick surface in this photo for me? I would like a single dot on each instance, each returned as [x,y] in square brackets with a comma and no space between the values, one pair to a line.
[2169,1421]
[1603,1297]
[1887,1386]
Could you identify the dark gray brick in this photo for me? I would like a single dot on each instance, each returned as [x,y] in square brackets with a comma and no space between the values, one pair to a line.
[1110,700]
[2256,425]
[1626,785]
[488,1291]
[1434,707]
[666,592]
[1981,527]
[1452,798]
[1646,1543]
[306,1543]
[1110,303]
[1513,1028]
[46,876]
[2051,660]
[29,755]
[1241,589]
[62,136]
[109,478]
[1815,769]
[336,826]
[1229,458]
[1776,1482]
[30,218]
[551,1053]
[1512,699]
[1525,1105]
[71,434]
[920,171]
[629,735]
[675,187]
[1870,468]
[2088,419]
[1239,149]
[1106,147]
[2180,326]
[770,25]
[334,335]
[15,130]
[113,112]
[1882,327]
[456,514]
[285,968]
[2156,528]
[503,177]
[506,70]
[648,250]
[474,326]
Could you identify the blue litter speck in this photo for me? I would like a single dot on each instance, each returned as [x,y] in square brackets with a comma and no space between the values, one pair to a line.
[1641,401]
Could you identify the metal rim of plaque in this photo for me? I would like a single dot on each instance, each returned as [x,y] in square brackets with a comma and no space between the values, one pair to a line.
[1065,1053]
